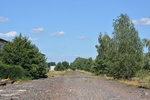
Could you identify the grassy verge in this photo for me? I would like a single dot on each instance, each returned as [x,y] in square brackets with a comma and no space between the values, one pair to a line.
[84,72]
[54,73]
[25,79]
[141,80]
[135,81]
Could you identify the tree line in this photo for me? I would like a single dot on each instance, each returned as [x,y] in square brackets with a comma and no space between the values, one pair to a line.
[78,63]
[119,56]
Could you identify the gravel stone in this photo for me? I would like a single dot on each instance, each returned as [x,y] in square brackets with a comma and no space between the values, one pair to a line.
[73,86]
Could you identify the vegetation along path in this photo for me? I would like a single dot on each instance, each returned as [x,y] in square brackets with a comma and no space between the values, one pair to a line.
[73,85]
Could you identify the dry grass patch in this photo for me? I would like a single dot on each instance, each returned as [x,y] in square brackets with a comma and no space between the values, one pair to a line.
[130,82]
[84,72]
[137,82]
[54,73]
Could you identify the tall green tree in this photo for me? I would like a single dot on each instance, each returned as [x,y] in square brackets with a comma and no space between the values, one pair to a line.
[129,48]
[89,64]
[147,55]
[105,57]
[20,51]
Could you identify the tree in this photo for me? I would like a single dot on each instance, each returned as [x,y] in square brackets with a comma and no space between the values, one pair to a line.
[62,66]
[51,64]
[105,50]
[65,65]
[89,64]
[22,52]
[59,67]
[129,48]
[146,43]
[82,64]
[122,55]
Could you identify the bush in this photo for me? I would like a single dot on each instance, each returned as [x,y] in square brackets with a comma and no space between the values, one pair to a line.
[142,74]
[11,71]
[146,61]
[20,51]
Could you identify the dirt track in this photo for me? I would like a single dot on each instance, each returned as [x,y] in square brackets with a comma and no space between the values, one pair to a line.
[73,86]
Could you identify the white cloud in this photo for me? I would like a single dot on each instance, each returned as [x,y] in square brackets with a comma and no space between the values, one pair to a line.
[142,21]
[3,19]
[33,39]
[9,34]
[57,34]
[83,38]
[37,30]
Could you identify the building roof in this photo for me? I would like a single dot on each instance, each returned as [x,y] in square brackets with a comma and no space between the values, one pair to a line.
[3,40]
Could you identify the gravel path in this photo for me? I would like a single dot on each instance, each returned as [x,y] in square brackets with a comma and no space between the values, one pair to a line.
[73,86]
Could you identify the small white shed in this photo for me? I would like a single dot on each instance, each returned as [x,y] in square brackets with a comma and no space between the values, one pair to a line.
[52,68]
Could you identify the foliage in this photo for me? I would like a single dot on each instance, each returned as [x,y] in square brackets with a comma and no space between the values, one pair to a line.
[59,67]
[11,71]
[62,66]
[120,56]
[146,62]
[129,48]
[82,64]
[51,64]
[65,65]
[23,53]
[143,76]
[146,43]
[106,54]
[142,73]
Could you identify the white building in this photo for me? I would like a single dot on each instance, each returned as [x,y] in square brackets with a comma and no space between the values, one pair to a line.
[52,68]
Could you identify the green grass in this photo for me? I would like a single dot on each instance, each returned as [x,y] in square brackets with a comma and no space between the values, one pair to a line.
[25,79]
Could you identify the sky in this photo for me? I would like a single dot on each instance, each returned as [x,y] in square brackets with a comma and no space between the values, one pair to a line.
[66,29]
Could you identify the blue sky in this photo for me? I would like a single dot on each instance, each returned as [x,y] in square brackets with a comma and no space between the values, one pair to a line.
[66,29]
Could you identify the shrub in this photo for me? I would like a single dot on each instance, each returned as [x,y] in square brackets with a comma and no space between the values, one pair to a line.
[11,71]
[20,51]
[142,74]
